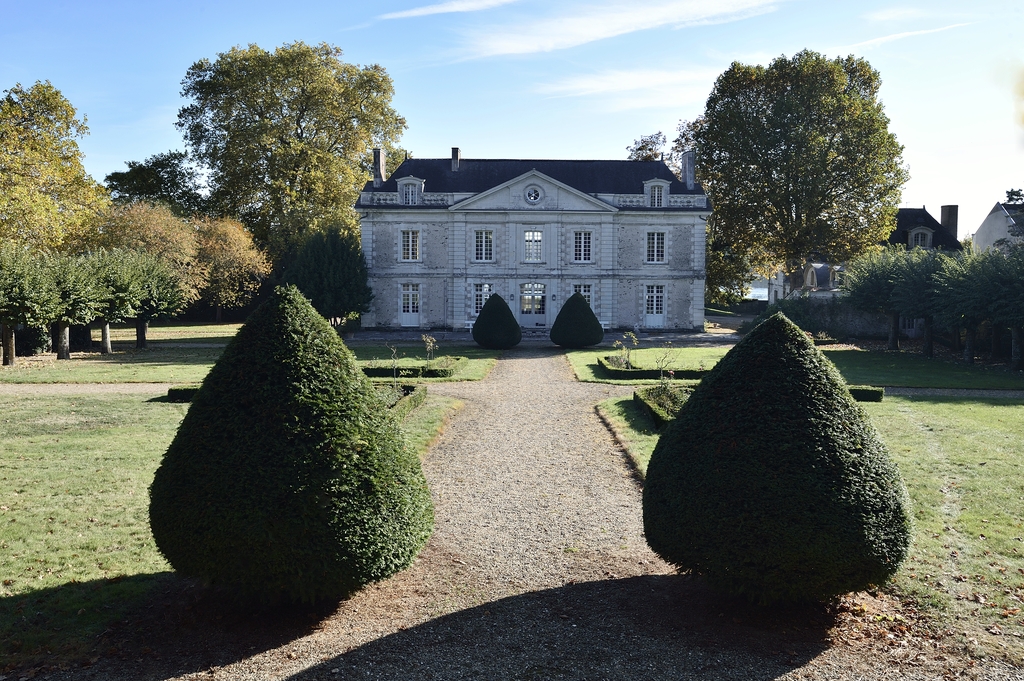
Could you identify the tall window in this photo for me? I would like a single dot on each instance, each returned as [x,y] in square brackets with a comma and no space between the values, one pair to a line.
[581,246]
[585,291]
[410,244]
[533,251]
[410,298]
[410,195]
[484,251]
[656,195]
[655,299]
[921,239]
[655,246]
[481,292]
[531,298]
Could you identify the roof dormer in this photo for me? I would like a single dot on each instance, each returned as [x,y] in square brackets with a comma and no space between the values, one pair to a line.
[410,191]
[656,193]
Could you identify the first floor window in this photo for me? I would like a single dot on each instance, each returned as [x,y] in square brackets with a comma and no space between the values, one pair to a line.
[410,244]
[655,299]
[484,251]
[410,298]
[533,251]
[655,246]
[531,298]
[581,250]
[585,291]
[481,292]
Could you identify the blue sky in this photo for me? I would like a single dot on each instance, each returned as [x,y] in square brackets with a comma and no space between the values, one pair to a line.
[545,79]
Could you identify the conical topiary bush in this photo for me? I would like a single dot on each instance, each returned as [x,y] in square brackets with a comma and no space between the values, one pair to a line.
[576,325]
[772,483]
[496,327]
[288,480]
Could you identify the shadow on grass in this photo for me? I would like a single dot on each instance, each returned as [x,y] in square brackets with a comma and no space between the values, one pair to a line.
[649,627]
[155,354]
[160,624]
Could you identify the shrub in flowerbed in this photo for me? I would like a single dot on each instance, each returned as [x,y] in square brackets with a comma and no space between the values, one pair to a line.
[612,367]
[288,479]
[661,402]
[442,367]
[404,399]
[496,327]
[576,325]
[771,482]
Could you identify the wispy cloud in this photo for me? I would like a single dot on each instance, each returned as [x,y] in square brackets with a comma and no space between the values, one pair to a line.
[874,42]
[619,90]
[896,14]
[583,24]
[447,8]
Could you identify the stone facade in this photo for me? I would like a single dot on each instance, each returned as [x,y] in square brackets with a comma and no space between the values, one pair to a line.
[438,242]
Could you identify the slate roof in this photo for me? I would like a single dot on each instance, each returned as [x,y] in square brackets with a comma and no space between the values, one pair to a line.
[908,219]
[479,175]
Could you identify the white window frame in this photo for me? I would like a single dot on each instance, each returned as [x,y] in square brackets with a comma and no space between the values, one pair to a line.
[483,245]
[410,191]
[410,245]
[656,192]
[587,291]
[409,302]
[654,299]
[582,246]
[655,248]
[923,235]
[533,245]
[657,196]
[533,298]
[481,292]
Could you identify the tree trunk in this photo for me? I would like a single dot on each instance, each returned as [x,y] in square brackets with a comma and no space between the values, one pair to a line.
[894,331]
[64,340]
[928,340]
[7,331]
[105,337]
[141,326]
[996,337]
[969,337]
[218,314]
[1015,338]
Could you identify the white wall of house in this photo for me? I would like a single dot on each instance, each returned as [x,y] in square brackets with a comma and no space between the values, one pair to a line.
[995,227]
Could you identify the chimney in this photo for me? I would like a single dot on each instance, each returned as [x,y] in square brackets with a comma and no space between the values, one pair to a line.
[949,219]
[379,162]
[456,159]
[686,170]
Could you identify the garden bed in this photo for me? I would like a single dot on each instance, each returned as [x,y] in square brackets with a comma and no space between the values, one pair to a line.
[661,402]
[404,399]
[442,367]
[612,367]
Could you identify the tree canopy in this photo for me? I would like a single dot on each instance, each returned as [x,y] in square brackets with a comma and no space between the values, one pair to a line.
[234,267]
[162,178]
[797,158]
[45,193]
[285,134]
[330,270]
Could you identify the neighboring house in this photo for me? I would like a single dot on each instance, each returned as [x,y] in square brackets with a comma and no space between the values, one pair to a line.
[915,227]
[441,235]
[999,225]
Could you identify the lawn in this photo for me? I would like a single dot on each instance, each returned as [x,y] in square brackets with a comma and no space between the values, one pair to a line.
[76,553]
[481,361]
[961,459]
[175,332]
[155,364]
[584,362]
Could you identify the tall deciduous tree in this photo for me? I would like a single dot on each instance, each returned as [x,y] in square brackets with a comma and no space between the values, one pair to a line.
[162,178]
[45,193]
[797,158]
[79,296]
[965,283]
[330,270]
[871,282]
[917,294]
[118,274]
[27,294]
[162,295]
[284,135]
[234,267]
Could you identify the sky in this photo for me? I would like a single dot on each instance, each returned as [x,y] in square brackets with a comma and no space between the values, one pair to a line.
[570,79]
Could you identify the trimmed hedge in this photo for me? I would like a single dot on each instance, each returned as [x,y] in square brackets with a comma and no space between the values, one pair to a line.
[866,393]
[414,396]
[182,393]
[660,407]
[442,367]
[608,365]
[288,480]
[771,482]
[496,327]
[576,325]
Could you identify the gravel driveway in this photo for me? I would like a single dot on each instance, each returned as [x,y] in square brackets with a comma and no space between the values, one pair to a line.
[538,569]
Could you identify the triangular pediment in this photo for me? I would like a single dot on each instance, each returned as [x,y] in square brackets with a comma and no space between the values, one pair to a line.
[533,191]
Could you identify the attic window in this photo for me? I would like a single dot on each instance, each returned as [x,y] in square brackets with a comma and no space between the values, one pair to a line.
[410,197]
[657,194]
[920,239]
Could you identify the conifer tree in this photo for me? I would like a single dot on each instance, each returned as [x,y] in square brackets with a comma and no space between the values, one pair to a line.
[496,327]
[576,325]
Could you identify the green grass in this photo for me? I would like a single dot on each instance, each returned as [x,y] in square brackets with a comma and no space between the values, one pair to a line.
[913,370]
[584,362]
[961,459]
[152,365]
[177,332]
[480,363]
[76,553]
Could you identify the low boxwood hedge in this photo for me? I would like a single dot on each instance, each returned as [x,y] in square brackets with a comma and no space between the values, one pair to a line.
[182,393]
[442,367]
[661,402]
[413,397]
[610,366]
[866,393]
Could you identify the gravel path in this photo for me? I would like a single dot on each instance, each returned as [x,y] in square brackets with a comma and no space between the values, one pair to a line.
[537,569]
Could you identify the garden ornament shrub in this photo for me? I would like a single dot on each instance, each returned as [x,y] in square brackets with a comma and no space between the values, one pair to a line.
[576,325]
[496,327]
[288,480]
[771,482]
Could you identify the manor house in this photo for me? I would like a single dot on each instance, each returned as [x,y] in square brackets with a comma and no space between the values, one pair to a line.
[441,235]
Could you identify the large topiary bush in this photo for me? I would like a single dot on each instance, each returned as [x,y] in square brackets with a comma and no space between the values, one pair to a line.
[496,327]
[772,483]
[576,325]
[288,480]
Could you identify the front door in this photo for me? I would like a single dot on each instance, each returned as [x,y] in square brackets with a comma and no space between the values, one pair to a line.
[654,306]
[533,305]
[410,305]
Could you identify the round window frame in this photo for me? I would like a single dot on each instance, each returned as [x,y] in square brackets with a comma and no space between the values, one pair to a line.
[540,194]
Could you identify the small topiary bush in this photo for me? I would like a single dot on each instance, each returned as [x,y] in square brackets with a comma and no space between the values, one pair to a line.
[182,393]
[771,483]
[496,327]
[288,480]
[867,393]
[576,325]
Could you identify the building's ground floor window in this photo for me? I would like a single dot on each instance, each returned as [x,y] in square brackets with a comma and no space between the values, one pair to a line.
[481,292]
[410,305]
[531,299]
[654,306]
[584,290]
